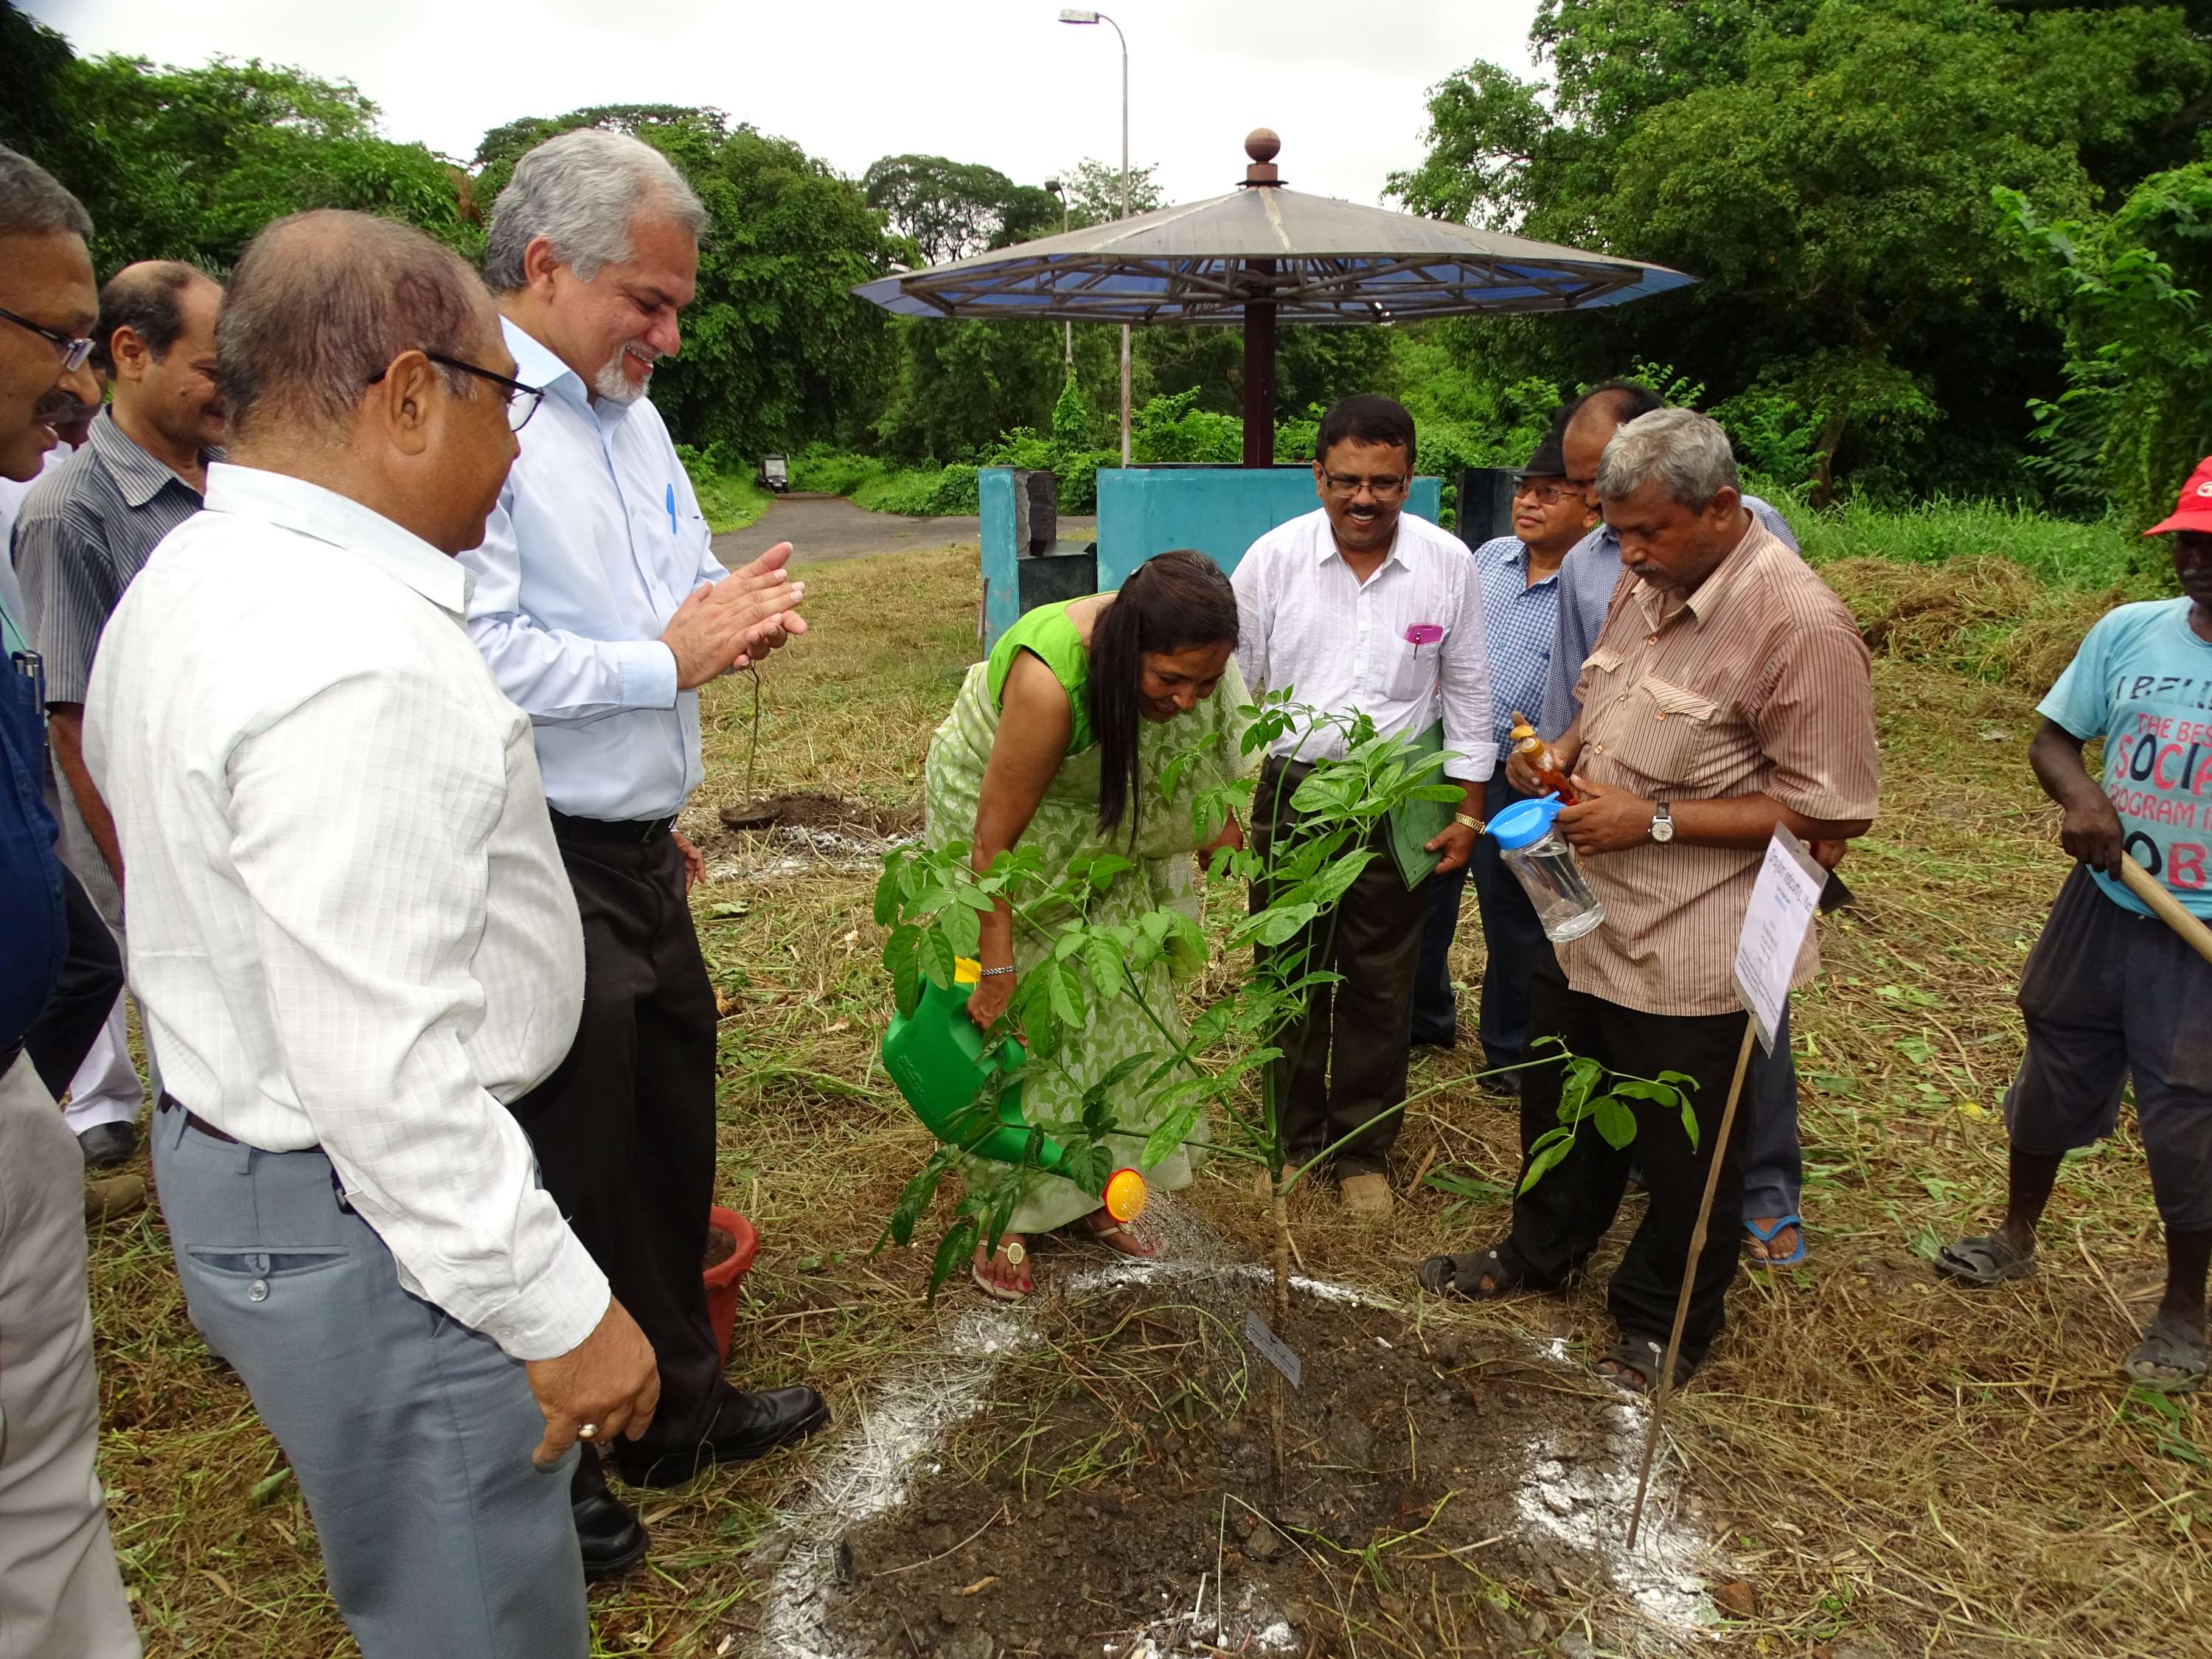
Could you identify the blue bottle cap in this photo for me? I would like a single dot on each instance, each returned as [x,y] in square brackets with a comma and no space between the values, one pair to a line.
[1525,821]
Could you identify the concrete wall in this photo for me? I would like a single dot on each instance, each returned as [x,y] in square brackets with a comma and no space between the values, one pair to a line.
[1220,511]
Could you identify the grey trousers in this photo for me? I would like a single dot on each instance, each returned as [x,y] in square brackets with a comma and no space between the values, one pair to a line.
[61,1596]
[409,1433]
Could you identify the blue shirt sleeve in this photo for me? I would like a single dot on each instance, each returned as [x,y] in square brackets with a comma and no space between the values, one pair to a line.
[2082,701]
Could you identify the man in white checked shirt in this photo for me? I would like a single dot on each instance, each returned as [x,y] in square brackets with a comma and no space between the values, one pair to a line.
[1358,608]
[353,941]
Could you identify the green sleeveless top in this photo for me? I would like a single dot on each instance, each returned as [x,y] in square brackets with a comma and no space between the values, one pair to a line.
[1046,635]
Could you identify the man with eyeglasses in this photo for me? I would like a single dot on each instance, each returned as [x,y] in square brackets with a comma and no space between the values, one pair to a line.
[85,532]
[354,944]
[1359,608]
[601,608]
[60,1591]
[1519,579]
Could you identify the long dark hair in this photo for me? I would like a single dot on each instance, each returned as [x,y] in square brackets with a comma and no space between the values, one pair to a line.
[1171,602]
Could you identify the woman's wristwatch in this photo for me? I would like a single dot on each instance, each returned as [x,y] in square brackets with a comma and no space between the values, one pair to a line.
[1462,819]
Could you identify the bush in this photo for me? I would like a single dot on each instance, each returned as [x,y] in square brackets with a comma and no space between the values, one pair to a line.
[818,467]
[728,497]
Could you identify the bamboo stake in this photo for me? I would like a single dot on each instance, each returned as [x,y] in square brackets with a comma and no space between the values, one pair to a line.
[2166,907]
[1663,1384]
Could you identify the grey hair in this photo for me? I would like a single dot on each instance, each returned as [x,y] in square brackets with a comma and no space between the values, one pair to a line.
[580,191]
[1685,454]
[321,303]
[34,202]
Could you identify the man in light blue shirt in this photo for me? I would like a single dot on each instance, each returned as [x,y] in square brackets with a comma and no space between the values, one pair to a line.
[2110,996]
[1774,1163]
[601,609]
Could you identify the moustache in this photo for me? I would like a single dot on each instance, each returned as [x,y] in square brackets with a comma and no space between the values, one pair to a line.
[61,408]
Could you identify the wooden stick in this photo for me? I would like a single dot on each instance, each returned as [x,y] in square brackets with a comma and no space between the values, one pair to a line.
[2163,905]
[1663,1385]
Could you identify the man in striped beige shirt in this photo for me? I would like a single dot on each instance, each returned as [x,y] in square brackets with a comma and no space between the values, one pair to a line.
[1727,692]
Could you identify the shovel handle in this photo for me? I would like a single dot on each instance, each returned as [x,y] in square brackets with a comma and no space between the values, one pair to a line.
[2166,907]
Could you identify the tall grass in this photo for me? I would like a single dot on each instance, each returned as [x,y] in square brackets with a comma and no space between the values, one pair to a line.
[2066,553]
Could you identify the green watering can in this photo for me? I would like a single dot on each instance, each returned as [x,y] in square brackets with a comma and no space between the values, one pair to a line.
[936,1056]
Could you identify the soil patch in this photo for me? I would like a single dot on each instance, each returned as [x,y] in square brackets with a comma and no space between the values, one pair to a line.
[1114,1496]
[809,809]
[720,1247]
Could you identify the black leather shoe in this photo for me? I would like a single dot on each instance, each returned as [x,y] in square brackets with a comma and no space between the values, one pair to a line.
[611,1536]
[747,1425]
[1507,1084]
[107,1144]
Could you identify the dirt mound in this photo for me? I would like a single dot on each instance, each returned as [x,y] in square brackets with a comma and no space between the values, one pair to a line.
[1983,616]
[811,810]
[1114,1496]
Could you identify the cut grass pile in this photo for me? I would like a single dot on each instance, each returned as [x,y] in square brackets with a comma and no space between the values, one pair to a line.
[1896,1465]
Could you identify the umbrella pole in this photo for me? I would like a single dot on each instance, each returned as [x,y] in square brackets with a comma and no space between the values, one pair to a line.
[1259,378]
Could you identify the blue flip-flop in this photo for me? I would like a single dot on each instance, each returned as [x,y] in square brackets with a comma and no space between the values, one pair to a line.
[1766,1237]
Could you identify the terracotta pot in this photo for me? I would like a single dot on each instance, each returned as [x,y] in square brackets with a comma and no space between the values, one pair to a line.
[722,1279]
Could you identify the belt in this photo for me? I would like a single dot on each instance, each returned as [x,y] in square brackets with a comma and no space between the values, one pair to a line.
[630,832]
[170,1103]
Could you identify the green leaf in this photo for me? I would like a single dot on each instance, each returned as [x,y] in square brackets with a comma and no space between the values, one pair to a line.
[1170,1134]
[1067,993]
[1690,1123]
[962,929]
[933,955]
[1615,1121]
[1541,1160]
[952,1251]
[899,960]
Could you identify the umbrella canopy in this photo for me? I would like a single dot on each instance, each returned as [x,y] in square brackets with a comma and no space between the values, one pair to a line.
[1263,254]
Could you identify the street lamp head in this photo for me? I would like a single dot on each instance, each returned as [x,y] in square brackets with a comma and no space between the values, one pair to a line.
[1051,186]
[1070,15]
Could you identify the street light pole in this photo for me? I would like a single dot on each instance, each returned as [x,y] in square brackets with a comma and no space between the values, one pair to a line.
[1067,330]
[1073,15]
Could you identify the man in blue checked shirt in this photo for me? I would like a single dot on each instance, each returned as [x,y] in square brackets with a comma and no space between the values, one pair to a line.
[601,609]
[1520,578]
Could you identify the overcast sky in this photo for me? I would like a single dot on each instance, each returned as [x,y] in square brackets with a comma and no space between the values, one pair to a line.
[996,80]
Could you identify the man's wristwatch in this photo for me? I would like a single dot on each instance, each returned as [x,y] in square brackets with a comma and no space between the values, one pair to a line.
[1662,824]
[1466,823]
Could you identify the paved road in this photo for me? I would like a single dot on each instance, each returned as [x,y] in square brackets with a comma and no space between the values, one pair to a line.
[831,527]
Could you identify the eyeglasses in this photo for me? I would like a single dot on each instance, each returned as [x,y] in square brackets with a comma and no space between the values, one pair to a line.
[1383,489]
[1551,495]
[522,400]
[74,349]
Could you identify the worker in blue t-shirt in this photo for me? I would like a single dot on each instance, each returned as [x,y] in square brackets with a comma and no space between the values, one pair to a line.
[2108,990]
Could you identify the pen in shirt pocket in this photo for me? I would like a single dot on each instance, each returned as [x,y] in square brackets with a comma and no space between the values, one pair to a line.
[671,509]
[1421,636]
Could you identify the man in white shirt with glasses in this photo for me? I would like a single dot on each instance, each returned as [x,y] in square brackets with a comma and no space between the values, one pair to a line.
[1362,608]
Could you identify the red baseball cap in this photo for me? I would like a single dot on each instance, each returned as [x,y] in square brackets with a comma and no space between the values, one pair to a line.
[2194,510]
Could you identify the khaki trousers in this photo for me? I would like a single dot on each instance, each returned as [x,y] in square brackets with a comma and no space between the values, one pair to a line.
[60,1595]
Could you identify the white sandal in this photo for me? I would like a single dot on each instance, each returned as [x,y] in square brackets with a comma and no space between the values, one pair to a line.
[1015,1253]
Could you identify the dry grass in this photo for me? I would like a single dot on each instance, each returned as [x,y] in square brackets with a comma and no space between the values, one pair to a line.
[1897,1463]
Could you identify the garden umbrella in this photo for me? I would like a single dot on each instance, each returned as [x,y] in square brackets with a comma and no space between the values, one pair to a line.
[1264,254]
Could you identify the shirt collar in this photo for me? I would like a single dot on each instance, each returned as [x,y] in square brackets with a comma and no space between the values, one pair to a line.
[137,474]
[535,364]
[1404,549]
[1511,553]
[308,509]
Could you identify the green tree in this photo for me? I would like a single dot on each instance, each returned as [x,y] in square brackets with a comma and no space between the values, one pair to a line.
[777,351]
[950,209]
[190,163]
[1093,190]
[1825,166]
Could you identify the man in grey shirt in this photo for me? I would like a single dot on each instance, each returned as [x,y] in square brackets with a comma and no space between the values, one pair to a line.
[85,529]
[1774,1165]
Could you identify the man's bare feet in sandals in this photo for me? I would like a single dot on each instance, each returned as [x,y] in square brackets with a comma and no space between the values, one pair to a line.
[1117,1235]
[1003,1274]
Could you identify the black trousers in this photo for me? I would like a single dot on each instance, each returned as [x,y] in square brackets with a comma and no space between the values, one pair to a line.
[1344,1065]
[624,1130]
[1559,1222]
[90,980]
[1513,943]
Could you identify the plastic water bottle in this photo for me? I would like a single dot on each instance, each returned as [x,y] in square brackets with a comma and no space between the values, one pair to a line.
[1538,855]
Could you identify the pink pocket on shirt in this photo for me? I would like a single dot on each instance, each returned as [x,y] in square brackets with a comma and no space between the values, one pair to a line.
[1425,634]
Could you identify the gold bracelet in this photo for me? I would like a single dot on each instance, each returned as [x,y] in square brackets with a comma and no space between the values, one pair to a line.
[1476,825]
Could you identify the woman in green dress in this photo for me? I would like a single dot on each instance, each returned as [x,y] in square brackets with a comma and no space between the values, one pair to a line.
[1056,742]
